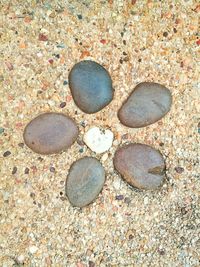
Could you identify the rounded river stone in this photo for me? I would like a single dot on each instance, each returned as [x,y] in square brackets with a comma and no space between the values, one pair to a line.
[50,133]
[85,181]
[140,165]
[148,103]
[91,86]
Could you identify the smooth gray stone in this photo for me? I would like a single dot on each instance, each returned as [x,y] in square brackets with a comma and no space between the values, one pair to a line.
[148,103]
[140,165]
[50,133]
[85,181]
[91,86]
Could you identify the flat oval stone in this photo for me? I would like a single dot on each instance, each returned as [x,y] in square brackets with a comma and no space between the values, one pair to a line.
[50,133]
[148,103]
[91,86]
[85,181]
[140,165]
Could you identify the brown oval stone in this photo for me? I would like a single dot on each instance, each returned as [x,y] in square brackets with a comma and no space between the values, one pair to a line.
[140,165]
[148,103]
[85,181]
[50,133]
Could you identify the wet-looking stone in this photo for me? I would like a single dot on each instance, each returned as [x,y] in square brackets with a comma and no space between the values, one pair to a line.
[91,86]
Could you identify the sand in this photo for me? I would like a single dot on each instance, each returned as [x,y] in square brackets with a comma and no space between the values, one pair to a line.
[136,41]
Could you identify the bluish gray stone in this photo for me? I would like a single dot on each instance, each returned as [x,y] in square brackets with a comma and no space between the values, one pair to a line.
[91,86]
[85,181]
[50,133]
[148,103]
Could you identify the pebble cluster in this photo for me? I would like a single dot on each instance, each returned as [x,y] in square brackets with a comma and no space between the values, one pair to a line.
[91,87]
[136,41]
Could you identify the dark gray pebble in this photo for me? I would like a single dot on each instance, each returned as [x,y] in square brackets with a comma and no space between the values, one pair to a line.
[26,171]
[14,171]
[7,153]
[52,169]
[62,104]
[91,86]
[179,169]
[21,145]
[1,130]
[119,197]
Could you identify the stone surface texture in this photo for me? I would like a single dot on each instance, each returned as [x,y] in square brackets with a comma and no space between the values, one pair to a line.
[50,133]
[140,165]
[85,181]
[147,104]
[91,86]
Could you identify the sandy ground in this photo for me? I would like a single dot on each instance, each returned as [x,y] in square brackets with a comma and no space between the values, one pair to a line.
[136,41]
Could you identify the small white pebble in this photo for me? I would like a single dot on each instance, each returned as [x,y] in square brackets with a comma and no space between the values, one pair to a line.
[20,258]
[39,54]
[117,183]
[115,143]
[6,195]
[21,116]
[155,214]
[49,12]
[44,31]
[51,103]
[33,249]
[98,140]
[146,200]
[177,220]
[119,218]
[104,157]
[136,18]
[32,236]
[114,15]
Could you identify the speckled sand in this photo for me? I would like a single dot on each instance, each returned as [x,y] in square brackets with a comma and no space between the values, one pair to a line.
[140,41]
